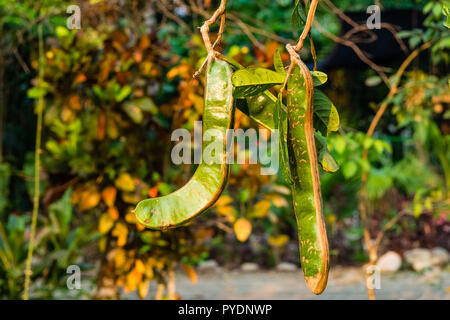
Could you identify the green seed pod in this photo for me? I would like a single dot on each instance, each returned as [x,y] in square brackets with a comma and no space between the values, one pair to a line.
[209,180]
[306,191]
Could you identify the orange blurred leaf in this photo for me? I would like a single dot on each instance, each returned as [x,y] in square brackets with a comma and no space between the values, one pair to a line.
[153,192]
[109,195]
[113,213]
[190,272]
[89,199]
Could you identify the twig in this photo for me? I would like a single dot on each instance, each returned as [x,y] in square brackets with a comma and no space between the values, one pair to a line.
[293,49]
[341,14]
[357,50]
[172,16]
[363,27]
[21,62]
[373,247]
[384,25]
[204,30]
[37,164]
[249,34]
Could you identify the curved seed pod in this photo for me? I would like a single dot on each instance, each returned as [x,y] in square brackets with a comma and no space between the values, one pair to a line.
[209,180]
[306,191]
[281,123]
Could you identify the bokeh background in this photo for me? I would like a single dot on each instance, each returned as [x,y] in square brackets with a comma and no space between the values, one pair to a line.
[112,92]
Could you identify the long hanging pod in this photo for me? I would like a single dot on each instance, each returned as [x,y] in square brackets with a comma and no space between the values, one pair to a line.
[306,191]
[209,180]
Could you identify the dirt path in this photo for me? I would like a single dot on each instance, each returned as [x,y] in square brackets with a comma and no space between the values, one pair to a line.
[344,283]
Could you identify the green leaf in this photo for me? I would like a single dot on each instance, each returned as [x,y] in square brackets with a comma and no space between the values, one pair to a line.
[326,116]
[61,212]
[123,93]
[145,104]
[373,81]
[134,112]
[278,63]
[252,81]
[446,11]
[281,121]
[298,18]
[324,156]
[319,78]
[36,92]
[379,181]
[349,169]
[164,189]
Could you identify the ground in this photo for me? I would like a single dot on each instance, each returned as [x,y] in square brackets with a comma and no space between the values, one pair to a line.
[344,283]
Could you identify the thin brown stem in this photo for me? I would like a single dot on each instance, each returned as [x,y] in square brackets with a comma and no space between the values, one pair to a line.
[162,7]
[204,30]
[308,24]
[372,248]
[357,50]
[293,49]
[37,163]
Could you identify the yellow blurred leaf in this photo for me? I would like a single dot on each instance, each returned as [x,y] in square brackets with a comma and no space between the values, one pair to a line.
[190,272]
[125,182]
[331,218]
[279,240]
[242,229]
[139,266]
[111,129]
[143,288]
[132,281]
[139,226]
[278,200]
[227,211]
[121,232]
[119,258]
[130,217]
[90,197]
[260,209]
[223,201]
[105,224]
[131,197]
[102,244]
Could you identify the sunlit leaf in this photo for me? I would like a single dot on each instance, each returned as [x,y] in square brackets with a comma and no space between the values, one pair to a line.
[324,157]
[319,78]
[298,18]
[326,117]
[252,81]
